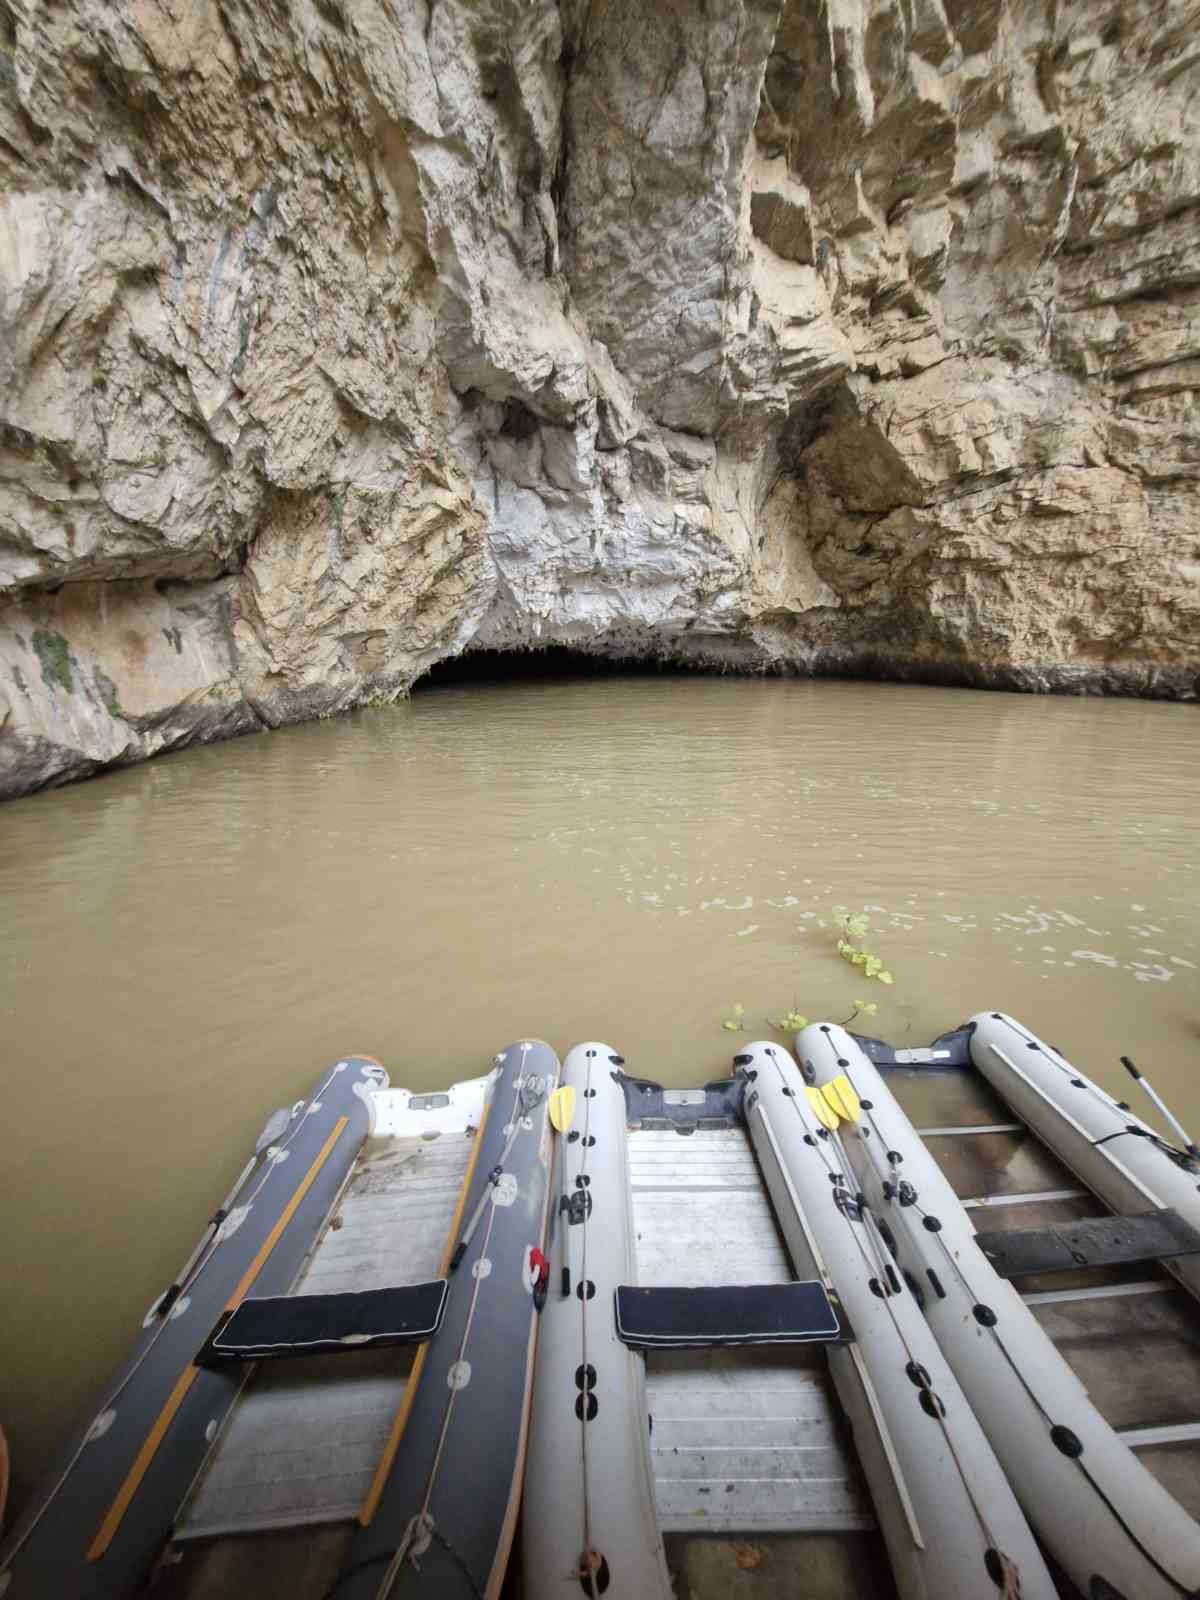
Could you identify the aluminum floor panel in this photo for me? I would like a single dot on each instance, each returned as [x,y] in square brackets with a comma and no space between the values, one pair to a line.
[744,1440]
[304,1440]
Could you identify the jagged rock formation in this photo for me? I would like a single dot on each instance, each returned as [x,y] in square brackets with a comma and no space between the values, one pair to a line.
[342,335]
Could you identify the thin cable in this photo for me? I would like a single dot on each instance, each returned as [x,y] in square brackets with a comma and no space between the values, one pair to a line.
[585,1567]
[885,1296]
[423,1516]
[1079,1081]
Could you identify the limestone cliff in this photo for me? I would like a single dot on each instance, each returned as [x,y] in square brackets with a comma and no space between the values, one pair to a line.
[342,335]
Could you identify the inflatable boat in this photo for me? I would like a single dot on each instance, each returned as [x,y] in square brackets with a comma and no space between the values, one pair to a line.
[950,1520]
[108,1509]
[1117,1155]
[342,1237]
[1113,1527]
[589,1522]
[441,1514]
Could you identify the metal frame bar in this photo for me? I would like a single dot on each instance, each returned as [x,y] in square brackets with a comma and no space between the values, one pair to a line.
[975,1127]
[978,1201]
[1105,1291]
[1172,1433]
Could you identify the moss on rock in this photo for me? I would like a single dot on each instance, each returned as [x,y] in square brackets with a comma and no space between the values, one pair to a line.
[54,656]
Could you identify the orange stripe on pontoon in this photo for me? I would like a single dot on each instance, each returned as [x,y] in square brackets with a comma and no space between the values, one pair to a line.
[375,1493]
[186,1378]
[289,1211]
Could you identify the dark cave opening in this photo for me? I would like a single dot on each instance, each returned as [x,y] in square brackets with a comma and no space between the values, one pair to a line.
[554,663]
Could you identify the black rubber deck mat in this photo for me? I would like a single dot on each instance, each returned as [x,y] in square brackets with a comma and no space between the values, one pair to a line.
[325,1324]
[759,1313]
[1091,1242]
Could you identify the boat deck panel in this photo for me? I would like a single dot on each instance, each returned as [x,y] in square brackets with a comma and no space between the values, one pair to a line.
[1138,1357]
[301,1447]
[747,1253]
[995,1164]
[303,1442]
[299,1563]
[744,1445]
[747,1444]
[946,1099]
[744,1440]
[392,1223]
[1177,1468]
[818,1567]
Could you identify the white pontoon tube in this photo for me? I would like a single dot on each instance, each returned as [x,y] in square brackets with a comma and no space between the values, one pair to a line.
[951,1523]
[589,1517]
[1107,1520]
[1116,1154]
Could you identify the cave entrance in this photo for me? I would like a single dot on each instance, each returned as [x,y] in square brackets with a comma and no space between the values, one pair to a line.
[554,663]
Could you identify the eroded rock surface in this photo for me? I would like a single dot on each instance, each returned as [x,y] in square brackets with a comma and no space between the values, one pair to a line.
[338,336]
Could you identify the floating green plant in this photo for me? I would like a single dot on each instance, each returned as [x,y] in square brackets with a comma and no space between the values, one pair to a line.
[853,928]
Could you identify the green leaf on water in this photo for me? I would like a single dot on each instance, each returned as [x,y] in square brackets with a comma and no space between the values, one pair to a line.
[792,1023]
[853,931]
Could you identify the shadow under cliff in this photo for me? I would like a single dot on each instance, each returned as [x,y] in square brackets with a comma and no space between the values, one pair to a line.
[554,662]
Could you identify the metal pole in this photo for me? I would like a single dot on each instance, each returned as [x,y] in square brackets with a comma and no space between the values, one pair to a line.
[1191,1148]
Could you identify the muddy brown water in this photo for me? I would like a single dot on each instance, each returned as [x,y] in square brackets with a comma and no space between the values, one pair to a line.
[184,945]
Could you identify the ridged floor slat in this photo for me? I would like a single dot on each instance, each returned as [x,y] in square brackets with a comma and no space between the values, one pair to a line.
[304,1440]
[742,1440]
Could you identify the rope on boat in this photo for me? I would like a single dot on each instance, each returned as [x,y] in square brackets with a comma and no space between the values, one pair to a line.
[434,1537]
[589,1559]
[1010,1588]
[1077,1080]
[421,1530]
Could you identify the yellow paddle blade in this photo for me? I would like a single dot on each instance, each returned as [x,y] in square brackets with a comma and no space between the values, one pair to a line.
[562,1108]
[823,1112]
[841,1098]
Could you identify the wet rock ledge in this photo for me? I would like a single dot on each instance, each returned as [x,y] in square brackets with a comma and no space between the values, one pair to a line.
[341,337]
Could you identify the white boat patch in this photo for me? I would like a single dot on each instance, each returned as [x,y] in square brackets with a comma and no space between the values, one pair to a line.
[101,1426]
[231,1224]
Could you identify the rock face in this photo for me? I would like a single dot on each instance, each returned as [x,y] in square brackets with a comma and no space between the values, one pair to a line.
[339,336]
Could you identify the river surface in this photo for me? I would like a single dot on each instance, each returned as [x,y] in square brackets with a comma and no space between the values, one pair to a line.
[185,944]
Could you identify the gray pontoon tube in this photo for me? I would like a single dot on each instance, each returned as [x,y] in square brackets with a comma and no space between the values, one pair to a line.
[589,1517]
[1101,1513]
[952,1525]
